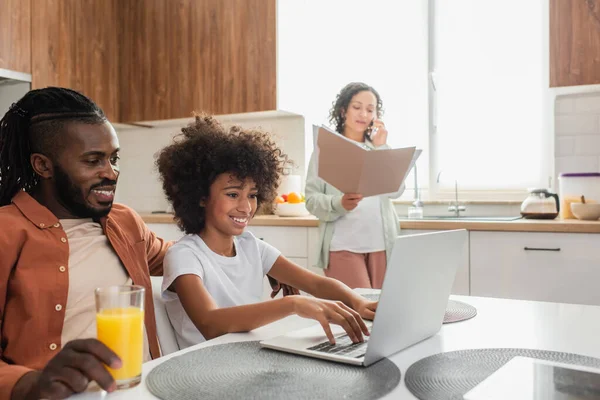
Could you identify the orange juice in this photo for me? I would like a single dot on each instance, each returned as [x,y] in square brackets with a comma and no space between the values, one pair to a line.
[122,331]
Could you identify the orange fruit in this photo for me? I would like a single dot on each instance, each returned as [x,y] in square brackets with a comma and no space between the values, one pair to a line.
[279,200]
[294,197]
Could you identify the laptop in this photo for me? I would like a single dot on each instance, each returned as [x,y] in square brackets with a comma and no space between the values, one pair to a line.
[411,308]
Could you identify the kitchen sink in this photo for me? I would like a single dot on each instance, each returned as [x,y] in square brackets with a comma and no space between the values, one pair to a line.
[470,218]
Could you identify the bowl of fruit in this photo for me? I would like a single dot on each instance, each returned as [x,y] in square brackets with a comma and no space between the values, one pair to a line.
[291,205]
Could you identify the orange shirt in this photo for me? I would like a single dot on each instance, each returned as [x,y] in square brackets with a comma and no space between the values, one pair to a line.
[34,279]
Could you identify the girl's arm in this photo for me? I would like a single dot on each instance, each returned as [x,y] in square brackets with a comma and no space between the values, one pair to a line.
[212,321]
[322,287]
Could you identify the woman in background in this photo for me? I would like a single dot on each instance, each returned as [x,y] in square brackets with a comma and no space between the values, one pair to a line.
[356,234]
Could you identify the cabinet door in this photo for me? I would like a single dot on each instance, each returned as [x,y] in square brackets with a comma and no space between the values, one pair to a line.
[166,231]
[574,42]
[556,267]
[291,241]
[461,282]
[15,31]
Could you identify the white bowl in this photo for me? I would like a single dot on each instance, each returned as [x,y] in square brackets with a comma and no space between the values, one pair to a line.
[291,210]
[586,211]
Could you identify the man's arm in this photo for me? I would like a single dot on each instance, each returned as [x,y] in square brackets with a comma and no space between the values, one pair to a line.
[10,243]
[156,248]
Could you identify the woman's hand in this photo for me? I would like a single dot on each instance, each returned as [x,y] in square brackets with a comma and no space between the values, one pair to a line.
[327,311]
[379,133]
[351,200]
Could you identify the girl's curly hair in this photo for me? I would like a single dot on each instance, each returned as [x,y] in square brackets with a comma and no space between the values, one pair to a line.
[342,101]
[203,151]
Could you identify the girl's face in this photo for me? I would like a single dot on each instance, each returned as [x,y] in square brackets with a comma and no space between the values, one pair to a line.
[231,204]
[362,110]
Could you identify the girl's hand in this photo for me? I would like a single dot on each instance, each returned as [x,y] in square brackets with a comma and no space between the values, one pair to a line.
[379,133]
[366,308]
[327,311]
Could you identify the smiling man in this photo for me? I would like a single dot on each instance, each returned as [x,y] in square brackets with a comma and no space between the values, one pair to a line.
[61,236]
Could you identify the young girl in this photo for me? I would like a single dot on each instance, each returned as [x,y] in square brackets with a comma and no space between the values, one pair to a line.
[357,234]
[213,277]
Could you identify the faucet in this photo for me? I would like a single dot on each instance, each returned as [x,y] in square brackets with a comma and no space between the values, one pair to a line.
[455,208]
[417,199]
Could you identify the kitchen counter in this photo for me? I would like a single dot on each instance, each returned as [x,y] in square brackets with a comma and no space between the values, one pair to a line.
[259,220]
[521,225]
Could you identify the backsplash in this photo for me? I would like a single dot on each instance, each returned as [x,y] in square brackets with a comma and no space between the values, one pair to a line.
[577,133]
[139,186]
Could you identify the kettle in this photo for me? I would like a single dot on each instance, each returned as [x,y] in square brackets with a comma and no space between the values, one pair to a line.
[540,204]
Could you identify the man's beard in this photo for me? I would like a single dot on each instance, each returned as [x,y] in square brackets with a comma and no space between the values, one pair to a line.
[71,197]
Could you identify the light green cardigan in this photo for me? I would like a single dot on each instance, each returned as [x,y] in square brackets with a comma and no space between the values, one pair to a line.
[325,202]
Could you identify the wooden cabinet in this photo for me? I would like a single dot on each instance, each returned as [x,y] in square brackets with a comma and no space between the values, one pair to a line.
[556,267]
[188,55]
[144,60]
[75,44]
[15,35]
[574,42]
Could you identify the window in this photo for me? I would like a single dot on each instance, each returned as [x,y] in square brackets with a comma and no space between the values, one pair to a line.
[490,76]
[476,71]
[325,44]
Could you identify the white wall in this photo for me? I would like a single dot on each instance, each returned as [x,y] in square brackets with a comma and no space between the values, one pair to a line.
[11,92]
[577,133]
[139,186]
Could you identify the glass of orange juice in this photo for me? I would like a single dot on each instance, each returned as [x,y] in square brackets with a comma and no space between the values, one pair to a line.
[120,324]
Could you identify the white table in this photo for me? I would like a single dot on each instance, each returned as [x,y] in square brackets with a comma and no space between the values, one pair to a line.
[499,323]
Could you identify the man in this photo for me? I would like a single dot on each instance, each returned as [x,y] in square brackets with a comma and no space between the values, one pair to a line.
[61,237]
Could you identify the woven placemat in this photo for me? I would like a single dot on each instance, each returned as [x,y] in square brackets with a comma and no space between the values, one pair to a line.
[448,376]
[244,370]
[456,311]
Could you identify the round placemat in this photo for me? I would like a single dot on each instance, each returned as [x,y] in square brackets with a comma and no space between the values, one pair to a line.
[244,370]
[456,311]
[448,376]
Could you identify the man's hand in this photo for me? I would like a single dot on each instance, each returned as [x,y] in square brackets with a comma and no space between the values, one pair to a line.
[276,286]
[70,372]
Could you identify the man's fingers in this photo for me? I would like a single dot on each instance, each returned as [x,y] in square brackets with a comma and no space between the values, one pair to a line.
[98,350]
[73,379]
[93,369]
[56,391]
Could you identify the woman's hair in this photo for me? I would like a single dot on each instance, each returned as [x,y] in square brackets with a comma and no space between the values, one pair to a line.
[203,151]
[342,100]
[33,125]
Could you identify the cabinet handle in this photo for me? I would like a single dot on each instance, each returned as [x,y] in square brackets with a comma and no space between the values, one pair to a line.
[541,249]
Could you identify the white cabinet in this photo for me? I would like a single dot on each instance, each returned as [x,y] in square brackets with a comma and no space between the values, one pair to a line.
[461,282]
[167,232]
[556,267]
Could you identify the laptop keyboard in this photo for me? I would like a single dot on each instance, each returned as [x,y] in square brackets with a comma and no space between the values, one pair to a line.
[343,344]
[371,296]
[343,347]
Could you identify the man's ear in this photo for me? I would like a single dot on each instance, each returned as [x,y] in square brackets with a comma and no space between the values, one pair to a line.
[42,165]
[202,202]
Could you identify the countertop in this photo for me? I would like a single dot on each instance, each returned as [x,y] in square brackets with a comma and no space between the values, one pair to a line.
[521,225]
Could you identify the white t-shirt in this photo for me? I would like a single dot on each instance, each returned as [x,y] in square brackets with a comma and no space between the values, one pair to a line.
[231,281]
[360,230]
